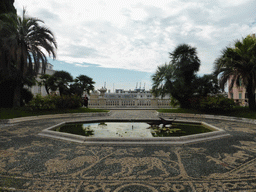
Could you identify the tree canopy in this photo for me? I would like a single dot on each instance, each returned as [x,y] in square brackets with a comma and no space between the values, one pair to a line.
[178,77]
[238,63]
[82,83]
[6,6]
[60,80]
[64,82]
[23,41]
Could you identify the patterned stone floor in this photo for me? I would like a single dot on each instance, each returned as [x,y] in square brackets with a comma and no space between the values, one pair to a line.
[29,162]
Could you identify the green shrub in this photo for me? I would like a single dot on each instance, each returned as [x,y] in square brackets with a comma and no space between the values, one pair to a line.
[41,103]
[48,103]
[174,102]
[67,101]
[195,102]
[217,103]
[52,102]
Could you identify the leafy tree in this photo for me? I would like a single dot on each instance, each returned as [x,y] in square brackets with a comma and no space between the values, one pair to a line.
[82,83]
[239,63]
[178,77]
[60,80]
[207,85]
[6,6]
[22,41]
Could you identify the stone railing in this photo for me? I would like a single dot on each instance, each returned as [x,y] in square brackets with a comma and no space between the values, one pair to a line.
[105,103]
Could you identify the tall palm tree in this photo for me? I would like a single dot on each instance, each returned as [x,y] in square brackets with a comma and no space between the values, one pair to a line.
[185,61]
[178,77]
[82,83]
[162,80]
[26,42]
[60,80]
[239,63]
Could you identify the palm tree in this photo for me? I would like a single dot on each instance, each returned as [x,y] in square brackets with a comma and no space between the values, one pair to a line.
[60,80]
[83,83]
[162,80]
[25,42]
[185,61]
[6,6]
[178,77]
[239,63]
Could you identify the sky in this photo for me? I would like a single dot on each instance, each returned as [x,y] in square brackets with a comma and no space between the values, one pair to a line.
[121,42]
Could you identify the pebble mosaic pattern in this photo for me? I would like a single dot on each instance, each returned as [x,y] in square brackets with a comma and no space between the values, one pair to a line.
[29,162]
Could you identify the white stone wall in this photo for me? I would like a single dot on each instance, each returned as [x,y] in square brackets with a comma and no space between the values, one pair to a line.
[41,90]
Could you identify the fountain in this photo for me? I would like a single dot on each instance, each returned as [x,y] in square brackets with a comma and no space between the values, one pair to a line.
[171,132]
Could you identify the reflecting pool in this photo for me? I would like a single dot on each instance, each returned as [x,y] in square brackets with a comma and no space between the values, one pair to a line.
[132,129]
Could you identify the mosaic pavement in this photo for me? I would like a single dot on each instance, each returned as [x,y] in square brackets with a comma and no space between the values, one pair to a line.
[29,162]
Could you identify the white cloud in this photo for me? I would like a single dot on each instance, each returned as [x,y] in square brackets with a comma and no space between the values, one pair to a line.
[230,3]
[138,34]
[81,65]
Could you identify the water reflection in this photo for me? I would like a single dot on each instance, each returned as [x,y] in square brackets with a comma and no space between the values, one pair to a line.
[77,129]
[131,129]
[178,129]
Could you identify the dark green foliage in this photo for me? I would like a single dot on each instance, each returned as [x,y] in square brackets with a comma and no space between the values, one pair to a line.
[195,102]
[185,62]
[8,113]
[6,96]
[82,83]
[23,43]
[207,85]
[60,80]
[6,6]
[52,102]
[217,103]
[63,81]
[239,63]
[184,65]
[26,96]
[68,101]
[76,89]
[42,103]
[178,77]
[8,82]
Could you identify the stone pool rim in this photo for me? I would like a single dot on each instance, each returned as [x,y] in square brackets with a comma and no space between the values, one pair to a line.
[217,133]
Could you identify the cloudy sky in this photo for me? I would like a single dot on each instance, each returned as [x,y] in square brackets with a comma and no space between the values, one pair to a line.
[122,42]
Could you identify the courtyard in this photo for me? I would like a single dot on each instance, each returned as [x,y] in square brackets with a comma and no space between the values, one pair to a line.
[30,162]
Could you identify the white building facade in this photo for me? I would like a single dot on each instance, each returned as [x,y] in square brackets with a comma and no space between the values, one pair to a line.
[138,98]
[36,89]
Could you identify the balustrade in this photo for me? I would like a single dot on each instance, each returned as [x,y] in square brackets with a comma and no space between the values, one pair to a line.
[129,103]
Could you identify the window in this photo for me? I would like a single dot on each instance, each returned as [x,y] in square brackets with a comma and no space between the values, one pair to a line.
[240,82]
[240,95]
[231,95]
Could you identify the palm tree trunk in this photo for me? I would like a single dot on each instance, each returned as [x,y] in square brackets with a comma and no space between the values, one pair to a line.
[251,100]
[251,96]
[19,85]
[17,95]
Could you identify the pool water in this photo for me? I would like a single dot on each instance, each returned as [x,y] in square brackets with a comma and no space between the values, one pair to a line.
[131,129]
